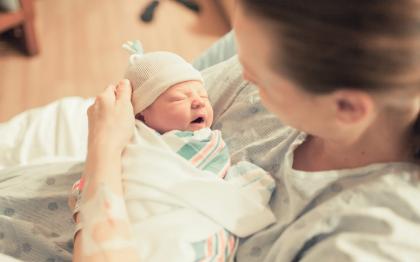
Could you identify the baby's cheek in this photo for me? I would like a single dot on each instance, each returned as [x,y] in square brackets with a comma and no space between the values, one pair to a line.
[175,120]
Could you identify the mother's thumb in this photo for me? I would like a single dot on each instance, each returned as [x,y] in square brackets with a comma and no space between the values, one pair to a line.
[123,91]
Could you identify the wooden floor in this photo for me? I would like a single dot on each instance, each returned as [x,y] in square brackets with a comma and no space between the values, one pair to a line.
[81,50]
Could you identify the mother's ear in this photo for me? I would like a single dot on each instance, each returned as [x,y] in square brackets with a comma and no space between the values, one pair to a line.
[353,106]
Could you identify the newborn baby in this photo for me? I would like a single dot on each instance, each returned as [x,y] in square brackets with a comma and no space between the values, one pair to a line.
[184,199]
[168,93]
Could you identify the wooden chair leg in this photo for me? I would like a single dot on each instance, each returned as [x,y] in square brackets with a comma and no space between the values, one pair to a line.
[30,41]
[28,28]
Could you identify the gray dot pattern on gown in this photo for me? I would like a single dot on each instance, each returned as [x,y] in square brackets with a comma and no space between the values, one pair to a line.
[336,188]
[52,206]
[255,251]
[26,247]
[254,110]
[37,224]
[50,181]
[9,211]
[53,234]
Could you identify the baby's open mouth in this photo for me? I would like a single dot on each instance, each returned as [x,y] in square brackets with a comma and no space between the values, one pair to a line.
[198,120]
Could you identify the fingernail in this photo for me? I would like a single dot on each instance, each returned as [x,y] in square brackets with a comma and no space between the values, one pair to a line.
[125,82]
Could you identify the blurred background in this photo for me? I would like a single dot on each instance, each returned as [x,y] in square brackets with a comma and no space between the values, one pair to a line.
[55,48]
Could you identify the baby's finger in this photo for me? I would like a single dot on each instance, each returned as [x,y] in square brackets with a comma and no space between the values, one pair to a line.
[123,91]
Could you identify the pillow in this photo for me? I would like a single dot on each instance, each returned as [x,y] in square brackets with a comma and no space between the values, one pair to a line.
[250,131]
[221,50]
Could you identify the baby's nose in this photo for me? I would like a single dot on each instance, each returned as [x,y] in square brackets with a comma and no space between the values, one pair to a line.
[197,103]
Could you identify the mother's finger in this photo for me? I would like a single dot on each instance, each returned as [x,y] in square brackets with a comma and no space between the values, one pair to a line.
[107,96]
[123,91]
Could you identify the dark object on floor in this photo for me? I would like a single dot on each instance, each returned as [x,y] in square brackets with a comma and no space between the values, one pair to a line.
[190,4]
[147,14]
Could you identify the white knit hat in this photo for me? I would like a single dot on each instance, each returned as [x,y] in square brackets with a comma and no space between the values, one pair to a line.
[153,73]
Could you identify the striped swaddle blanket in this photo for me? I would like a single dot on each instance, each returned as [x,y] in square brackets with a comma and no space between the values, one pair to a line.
[205,149]
[185,199]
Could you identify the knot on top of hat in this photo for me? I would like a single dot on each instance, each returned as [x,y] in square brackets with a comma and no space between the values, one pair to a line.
[134,47]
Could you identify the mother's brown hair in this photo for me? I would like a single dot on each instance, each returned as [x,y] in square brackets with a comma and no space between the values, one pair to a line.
[325,45]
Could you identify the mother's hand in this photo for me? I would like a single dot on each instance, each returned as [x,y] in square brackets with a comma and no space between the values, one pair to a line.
[111,118]
[111,125]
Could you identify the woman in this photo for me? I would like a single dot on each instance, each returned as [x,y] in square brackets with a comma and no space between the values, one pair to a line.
[344,73]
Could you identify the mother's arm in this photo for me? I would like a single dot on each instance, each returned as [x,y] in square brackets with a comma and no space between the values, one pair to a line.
[111,124]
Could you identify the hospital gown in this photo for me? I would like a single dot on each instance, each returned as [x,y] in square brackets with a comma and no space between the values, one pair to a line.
[370,213]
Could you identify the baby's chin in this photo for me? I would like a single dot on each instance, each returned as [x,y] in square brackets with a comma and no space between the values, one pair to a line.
[197,126]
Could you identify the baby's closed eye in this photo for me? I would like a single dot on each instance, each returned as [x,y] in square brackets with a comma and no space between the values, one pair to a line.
[176,98]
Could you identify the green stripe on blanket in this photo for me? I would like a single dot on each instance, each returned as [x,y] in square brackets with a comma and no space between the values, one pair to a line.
[207,152]
[218,163]
[192,147]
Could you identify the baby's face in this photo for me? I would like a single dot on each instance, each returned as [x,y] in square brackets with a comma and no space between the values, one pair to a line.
[184,106]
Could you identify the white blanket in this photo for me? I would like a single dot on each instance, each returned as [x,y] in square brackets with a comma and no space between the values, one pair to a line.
[173,204]
[53,133]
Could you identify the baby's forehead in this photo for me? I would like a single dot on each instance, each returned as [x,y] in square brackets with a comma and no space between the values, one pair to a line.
[188,87]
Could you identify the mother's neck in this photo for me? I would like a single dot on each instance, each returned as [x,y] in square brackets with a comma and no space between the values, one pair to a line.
[387,139]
